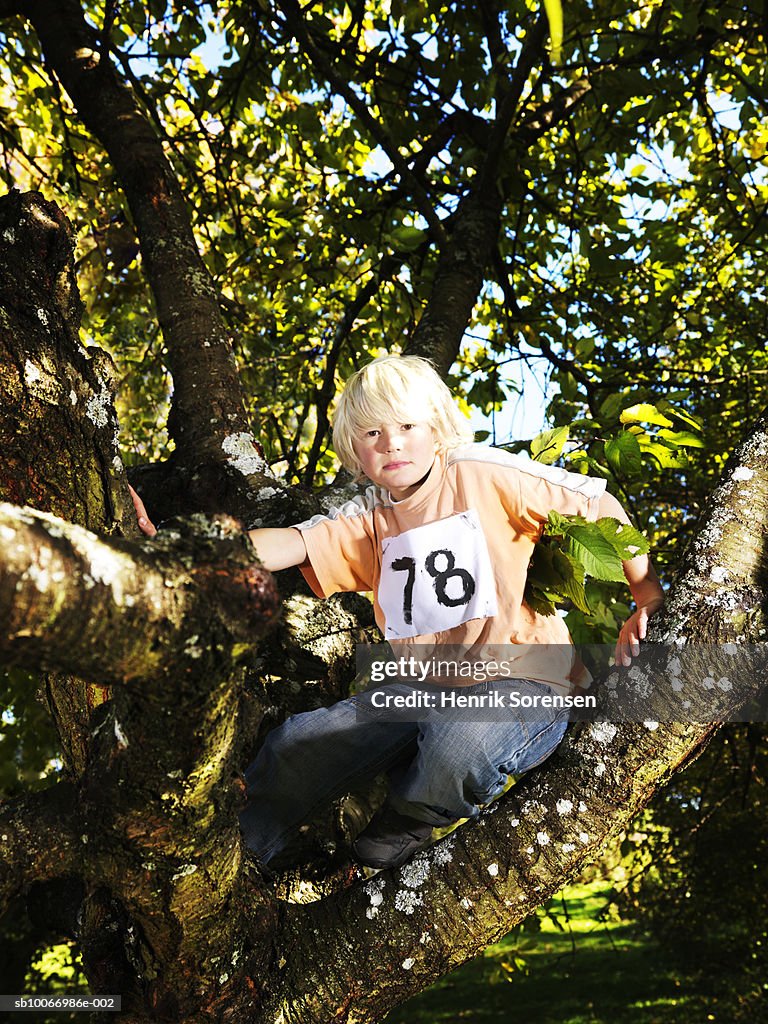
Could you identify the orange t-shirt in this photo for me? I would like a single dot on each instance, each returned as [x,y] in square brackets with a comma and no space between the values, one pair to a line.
[447,565]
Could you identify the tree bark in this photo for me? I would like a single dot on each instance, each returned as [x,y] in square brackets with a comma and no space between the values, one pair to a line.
[40,840]
[123,612]
[458,279]
[50,386]
[154,768]
[51,389]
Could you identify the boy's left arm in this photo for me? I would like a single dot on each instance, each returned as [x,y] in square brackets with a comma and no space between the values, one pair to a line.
[644,585]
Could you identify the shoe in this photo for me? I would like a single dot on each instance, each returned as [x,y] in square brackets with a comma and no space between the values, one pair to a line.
[390,838]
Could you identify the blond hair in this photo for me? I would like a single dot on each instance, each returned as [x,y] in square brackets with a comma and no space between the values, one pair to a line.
[400,389]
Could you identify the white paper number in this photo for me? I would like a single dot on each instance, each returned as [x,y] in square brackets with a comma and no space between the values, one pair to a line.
[435,577]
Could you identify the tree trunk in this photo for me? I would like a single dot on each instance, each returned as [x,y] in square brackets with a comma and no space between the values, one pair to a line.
[198,344]
[174,918]
[146,769]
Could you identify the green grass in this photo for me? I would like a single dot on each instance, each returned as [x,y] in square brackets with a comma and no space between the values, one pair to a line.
[597,970]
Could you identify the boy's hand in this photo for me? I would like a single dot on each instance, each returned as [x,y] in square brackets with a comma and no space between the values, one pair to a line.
[145,523]
[632,632]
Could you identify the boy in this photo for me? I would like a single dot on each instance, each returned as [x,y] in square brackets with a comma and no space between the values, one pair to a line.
[443,539]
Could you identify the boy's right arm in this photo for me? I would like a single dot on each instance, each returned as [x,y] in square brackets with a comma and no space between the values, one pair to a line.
[279,548]
[276,548]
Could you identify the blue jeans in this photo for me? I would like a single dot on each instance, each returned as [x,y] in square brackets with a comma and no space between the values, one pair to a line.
[457,761]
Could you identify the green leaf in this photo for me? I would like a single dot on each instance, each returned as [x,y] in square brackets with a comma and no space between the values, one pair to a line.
[694,422]
[668,457]
[644,413]
[597,468]
[537,602]
[554,577]
[611,407]
[547,446]
[597,554]
[541,569]
[408,237]
[624,454]
[626,541]
[572,574]
[569,387]
[683,438]
[558,525]
[541,581]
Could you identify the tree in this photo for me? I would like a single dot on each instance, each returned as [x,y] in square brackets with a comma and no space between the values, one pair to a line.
[146,820]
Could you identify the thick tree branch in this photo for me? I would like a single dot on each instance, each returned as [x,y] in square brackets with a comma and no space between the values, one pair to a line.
[474,233]
[474,228]
[207,401]
[399,929]
[120,611]
[51,387]
[403,929]
[158,798]
[39,839]
[458,279]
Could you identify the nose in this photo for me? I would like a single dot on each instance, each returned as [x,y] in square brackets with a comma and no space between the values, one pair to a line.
[389,441]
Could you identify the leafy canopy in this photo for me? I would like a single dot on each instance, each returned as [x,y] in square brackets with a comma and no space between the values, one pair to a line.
[324,149]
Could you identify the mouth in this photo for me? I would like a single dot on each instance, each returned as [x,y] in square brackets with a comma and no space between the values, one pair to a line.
[395,465]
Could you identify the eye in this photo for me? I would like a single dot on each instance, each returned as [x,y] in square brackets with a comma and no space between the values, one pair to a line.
[408,426]
[372,433]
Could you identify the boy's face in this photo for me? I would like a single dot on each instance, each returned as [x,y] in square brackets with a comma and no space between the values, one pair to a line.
[397,456]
